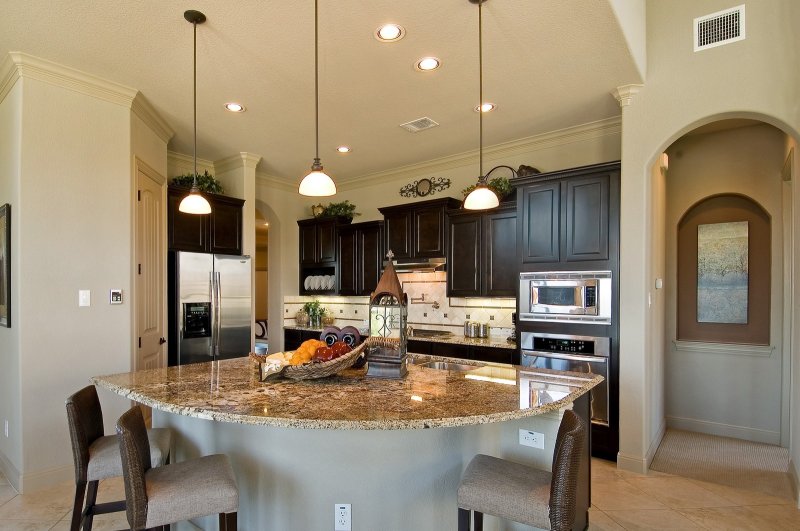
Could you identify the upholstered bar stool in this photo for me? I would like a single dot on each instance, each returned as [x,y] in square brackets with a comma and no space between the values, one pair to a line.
[96,456]
[175,492]
[522,493]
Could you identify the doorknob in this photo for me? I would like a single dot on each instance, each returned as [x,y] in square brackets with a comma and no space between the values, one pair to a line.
[161,341]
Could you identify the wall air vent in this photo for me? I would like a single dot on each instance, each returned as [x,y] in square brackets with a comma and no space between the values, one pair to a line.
[420,124]
[719,28]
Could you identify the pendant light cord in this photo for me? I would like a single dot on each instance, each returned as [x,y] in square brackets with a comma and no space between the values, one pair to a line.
[480,90]
[316,75]
[194,97]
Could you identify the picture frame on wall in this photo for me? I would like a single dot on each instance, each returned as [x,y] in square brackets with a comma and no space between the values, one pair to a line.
[5,265]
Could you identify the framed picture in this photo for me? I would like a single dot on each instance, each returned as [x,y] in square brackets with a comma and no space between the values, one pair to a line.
[5,265]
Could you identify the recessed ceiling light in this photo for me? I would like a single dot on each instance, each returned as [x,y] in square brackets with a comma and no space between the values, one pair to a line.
[486,107]
[343,149]
[426,64]
[235,107]
[390,33]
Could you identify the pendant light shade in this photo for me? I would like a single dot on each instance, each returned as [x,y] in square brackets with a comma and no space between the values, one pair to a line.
[317,183]
[194,203]
[482,197]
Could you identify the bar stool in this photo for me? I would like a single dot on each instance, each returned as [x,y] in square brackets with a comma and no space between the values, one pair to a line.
[96,456]
[522,493]
[175,492]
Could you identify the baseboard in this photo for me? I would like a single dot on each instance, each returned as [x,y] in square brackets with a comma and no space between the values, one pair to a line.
[654,444]
[725,430]
[631,463]
[46,478]
[795,481]
[10,472]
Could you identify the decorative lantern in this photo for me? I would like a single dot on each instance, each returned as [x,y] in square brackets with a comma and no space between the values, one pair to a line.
[387,356]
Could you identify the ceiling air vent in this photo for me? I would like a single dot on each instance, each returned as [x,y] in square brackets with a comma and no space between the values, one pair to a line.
[420,124]
[719,28]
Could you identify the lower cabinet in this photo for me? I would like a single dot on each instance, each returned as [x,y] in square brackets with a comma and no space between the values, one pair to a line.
[466,352]
[293,338]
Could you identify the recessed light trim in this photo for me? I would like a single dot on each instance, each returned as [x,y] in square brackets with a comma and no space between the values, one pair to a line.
[235,107]
[485,107]
[344,149]
[390,33]
[426,64]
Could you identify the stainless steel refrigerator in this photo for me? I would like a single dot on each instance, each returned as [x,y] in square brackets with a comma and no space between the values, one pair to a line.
[211,312]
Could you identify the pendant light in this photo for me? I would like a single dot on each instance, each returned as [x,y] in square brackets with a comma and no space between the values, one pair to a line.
[482,197]
[194,203]
[317,183]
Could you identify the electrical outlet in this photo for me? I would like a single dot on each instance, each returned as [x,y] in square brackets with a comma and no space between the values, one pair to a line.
[342,521]
[5,428]
[531,438]
[84,297]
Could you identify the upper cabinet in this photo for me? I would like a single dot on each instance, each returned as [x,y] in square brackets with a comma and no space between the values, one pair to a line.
[417,230]
[566,216]
[319,260]
[219,232]
[360,257]
[481,253]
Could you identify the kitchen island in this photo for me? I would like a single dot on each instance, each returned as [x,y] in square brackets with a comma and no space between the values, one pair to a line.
[394,449]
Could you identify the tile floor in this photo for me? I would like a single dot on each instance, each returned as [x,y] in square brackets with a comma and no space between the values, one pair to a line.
[621,501]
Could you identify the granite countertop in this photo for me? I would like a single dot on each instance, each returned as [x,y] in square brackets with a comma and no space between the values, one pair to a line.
[455,339]
[230,391]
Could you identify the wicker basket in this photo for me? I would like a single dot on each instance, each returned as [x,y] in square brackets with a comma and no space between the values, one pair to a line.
[309,371]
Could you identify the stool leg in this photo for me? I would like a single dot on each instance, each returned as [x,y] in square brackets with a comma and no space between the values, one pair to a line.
[478,518]
[77,508]
[91,499]
[463,519]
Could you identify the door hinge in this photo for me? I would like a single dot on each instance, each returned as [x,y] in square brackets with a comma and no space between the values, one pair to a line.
[140,268]
[138,195]
[140,342]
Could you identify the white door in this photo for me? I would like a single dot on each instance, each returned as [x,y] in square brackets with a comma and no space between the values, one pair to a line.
[149,287]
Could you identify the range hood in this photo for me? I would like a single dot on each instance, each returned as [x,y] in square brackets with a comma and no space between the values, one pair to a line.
[418,265]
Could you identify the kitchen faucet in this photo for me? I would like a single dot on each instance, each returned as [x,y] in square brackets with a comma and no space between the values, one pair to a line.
[421,300]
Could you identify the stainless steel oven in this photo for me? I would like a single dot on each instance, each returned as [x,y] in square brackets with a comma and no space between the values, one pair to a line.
[584,354]
[565,296]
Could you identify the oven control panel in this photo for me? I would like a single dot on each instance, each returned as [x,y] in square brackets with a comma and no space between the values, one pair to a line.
[550,344]
[566,344]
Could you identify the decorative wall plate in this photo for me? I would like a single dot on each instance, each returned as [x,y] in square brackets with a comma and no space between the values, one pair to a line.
[425,187]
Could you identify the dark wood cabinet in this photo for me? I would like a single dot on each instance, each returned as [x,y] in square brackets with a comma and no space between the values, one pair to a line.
[218,232]
[417,230]
[293,338]
[464,352]
[318,240]
[360,257]
[566,216]
[482,250]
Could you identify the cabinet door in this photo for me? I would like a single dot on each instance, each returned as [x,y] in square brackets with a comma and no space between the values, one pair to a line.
[226,228]
[587,219]
[464,256]
[348,260]
[500,271]
[308,243]
[187,232]
[292,339]
[540,209]
[397,226]
[491,354]
[326,241]
[428,238]
[370,258]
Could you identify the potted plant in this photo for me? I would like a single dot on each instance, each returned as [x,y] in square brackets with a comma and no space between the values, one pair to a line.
[344,209]
[206,182]
[499,185]
[315,311]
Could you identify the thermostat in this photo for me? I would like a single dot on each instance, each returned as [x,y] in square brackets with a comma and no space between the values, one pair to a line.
[115,296]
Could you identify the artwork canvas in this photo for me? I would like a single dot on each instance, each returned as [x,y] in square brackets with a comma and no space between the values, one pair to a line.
[5,265]
[722,272]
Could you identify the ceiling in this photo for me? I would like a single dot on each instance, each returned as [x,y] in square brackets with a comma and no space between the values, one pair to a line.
[548,64]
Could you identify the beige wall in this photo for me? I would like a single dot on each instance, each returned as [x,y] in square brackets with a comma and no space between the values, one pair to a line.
[685,89]
[700,386]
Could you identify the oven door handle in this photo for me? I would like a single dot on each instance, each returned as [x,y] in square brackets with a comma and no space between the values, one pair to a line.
[565,356]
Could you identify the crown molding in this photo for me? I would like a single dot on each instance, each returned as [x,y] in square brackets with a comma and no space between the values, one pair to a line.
[624,94]
[29,66]
[144,110]
[234,162]
[9,74]
[179,159]
[274,182]
[597,129]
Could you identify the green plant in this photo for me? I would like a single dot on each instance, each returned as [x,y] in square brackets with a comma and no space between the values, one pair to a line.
[499,185]
[313,308]
[205,182]
[345,209]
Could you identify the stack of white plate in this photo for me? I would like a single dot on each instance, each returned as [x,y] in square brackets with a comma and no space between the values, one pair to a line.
[319,282]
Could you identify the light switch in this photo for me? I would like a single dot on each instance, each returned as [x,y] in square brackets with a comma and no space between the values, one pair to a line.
[84,297]
[115,296]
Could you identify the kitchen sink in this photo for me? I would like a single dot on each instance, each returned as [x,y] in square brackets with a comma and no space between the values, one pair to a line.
[449,366]
[422,332]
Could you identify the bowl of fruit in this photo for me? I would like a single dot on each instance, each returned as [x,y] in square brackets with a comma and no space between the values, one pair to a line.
[313,359]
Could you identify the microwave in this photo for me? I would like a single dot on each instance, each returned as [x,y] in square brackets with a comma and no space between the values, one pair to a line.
[565,296]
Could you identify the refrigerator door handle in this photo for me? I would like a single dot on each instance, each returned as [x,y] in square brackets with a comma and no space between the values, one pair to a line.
[217,316]
[213,299]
